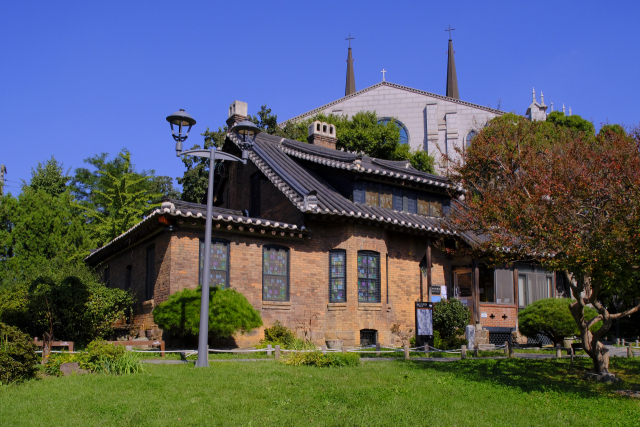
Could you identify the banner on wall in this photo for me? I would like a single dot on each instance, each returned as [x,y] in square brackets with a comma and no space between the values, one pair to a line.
[424,320]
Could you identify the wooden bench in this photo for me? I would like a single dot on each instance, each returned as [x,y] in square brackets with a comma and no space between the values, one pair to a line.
[68,344]
[141,342]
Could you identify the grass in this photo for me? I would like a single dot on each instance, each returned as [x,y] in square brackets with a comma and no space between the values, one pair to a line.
[464,393]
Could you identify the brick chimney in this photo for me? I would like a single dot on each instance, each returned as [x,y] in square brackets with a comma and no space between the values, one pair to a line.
[322,134]
[237,113]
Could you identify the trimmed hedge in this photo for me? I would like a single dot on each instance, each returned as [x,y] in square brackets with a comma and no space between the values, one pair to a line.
[18,356]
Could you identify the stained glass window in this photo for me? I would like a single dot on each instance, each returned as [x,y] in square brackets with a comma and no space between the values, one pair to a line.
[275,274]
[368,276]
[219,270]
[337,276]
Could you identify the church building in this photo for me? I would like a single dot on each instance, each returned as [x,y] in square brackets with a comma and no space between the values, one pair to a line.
[428,121]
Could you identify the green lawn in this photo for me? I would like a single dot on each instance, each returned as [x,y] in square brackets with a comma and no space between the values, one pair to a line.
[462,393]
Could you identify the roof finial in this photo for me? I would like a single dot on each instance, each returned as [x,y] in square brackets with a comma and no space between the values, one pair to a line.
[541,98]
[383,71]
[569,110]
[552,106]
[534,95]
[351,79]
[563,108]
[452,79]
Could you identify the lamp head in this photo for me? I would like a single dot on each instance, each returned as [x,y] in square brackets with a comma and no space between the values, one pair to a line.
[180,119]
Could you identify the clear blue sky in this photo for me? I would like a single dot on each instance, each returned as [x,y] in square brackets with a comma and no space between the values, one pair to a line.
[80,78]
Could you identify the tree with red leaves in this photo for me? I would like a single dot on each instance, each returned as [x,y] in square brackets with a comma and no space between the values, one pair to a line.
[567,199]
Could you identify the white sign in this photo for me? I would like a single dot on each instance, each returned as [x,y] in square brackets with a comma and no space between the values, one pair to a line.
[483,315]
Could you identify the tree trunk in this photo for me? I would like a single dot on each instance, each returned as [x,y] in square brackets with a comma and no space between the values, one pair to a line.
[594,348]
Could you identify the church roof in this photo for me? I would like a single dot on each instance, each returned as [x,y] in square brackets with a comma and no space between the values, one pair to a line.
[396,86]
[311,194]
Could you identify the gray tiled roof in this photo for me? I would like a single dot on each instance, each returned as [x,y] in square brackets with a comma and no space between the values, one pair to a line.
[181,209]
[311,194]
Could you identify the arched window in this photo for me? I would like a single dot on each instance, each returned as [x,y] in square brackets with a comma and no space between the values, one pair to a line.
[275,273]
[219,268]
[404,133]
[469,137]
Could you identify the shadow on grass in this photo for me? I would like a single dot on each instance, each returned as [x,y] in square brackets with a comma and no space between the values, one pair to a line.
[531,375]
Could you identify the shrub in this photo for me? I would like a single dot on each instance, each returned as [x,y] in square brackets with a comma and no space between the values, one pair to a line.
[18,357]
[52,367]
[279,334]
[453,342]
[229,312]
[449,317]
[551,317]
[100,357]
[69,295]
[316,358]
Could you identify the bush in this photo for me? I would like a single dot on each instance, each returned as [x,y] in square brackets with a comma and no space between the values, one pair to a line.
[229,312]
[453,342]
[18,357]
[316,358]
[69,295]
[551,317]
[449,317]
[278,334]
[100,357]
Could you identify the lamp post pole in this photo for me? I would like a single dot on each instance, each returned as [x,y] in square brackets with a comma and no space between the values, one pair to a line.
[203,335]
[248,131]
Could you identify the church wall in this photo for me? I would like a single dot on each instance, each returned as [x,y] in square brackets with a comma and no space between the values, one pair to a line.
[422,121]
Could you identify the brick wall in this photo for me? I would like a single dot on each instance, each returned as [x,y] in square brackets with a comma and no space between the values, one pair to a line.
[309,308]
[498,311]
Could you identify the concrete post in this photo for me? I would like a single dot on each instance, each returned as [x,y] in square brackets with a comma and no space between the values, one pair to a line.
[377,349]
[617,341]
[324,349]
[506,348]
[511,352]
[558,351]
[623,343]
[463,352]
[344,350]
[269,350]
[629,351]
[277,352]
[406,352]
[637,343]
[426,350]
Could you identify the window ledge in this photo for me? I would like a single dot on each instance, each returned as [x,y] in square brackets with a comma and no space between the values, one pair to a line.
[370,306]
[276,305]
[337,306]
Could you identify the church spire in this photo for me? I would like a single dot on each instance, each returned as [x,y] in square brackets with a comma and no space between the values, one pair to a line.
[452,79]
[351,79]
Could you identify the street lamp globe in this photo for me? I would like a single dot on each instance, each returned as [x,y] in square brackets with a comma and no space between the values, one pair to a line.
[247,131]
[181,119]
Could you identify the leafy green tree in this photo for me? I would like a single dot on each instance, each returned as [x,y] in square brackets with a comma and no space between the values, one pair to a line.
[38,226]
[552,318]
[615,128]
[229,313]
[67,297]
[266,121]
[124,203]
[195,180]
[49,177]
[574,122]
[88,184]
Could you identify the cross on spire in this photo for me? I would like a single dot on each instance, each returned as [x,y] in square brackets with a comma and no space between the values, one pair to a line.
[350,38]
[383,71]
[450,29]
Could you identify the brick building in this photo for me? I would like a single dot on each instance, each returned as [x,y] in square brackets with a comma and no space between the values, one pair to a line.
[337,242]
